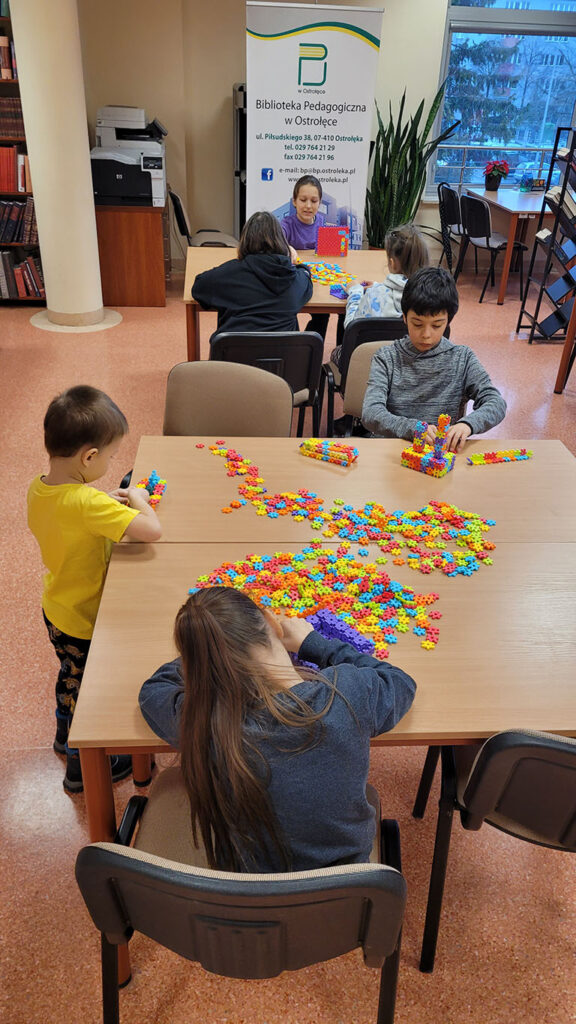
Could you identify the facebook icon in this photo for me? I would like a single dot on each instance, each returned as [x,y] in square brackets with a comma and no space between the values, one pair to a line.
[267,174]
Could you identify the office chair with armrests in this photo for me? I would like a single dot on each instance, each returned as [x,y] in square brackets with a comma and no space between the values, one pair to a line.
[450,220]
[237,925]
[226,398]
[477,231]
[296,356]
[521,782]
[357,333]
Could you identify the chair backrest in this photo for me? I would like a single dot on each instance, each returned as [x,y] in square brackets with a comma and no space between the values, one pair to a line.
[242,925]
[357,379]
[226,398]
[449,206]
[476,220]
[525,783]
[296,356]
[181,216]
[361,331]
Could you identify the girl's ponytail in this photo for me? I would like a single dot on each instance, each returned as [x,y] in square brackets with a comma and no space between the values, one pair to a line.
[407,247]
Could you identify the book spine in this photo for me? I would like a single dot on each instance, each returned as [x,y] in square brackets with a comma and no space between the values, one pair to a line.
[30,284]
[35,270]
[27,175]
[21,172]
[5,59]
[20,285]
[3,281]
[9,271]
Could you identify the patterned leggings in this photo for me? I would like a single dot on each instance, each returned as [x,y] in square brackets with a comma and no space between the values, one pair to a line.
[71,653]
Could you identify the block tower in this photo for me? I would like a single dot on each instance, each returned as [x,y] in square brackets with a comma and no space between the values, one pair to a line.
[433,460]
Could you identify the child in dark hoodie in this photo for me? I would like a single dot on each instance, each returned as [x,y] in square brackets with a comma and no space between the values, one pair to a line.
[422,375]
[262,290]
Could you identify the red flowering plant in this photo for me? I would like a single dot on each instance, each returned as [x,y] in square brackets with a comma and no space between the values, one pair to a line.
[499,167]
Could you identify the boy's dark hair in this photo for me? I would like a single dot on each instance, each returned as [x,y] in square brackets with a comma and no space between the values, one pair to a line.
[307,179]
[406,245]
[430,291]
[81,416]
[262,233]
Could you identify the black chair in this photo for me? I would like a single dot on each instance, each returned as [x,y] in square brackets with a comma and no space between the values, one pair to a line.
[296,356]
[357,333]
[242,925]
[521,782]
[450,220]
[205,236]
[477,227]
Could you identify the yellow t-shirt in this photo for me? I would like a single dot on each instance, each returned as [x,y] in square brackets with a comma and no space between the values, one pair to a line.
[75,526]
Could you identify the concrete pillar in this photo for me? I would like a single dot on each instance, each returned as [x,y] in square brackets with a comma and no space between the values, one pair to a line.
[47,44]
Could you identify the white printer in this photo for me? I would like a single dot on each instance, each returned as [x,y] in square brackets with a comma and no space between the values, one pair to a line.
[128,160]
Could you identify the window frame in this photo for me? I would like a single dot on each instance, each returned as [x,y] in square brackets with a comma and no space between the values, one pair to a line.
[494,21]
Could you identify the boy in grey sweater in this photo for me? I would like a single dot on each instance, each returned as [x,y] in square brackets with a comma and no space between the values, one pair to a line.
[423,374]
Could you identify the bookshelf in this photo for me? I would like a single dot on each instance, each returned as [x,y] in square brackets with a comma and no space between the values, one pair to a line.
[21,278]
[549,299]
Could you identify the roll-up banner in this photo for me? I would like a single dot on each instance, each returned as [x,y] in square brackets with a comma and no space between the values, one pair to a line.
[311,73]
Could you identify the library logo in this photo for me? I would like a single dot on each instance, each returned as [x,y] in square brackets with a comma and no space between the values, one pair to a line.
[267,174]
[312,63]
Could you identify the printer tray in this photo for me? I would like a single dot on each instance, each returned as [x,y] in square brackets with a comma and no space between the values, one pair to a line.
[120,184]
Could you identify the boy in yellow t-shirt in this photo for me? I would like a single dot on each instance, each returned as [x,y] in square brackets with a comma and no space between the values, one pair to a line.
[75,526]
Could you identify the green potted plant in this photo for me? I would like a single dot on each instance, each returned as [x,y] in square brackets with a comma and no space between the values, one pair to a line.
[399,168]
[494,171]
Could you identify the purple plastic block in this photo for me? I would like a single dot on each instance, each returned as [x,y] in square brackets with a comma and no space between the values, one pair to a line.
[333,628]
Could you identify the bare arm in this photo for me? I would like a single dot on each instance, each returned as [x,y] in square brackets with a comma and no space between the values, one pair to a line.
[146,526]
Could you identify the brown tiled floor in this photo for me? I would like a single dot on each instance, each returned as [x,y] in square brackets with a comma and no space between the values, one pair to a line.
[507,940]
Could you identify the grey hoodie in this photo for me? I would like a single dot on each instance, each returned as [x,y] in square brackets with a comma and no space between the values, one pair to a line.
[406,385]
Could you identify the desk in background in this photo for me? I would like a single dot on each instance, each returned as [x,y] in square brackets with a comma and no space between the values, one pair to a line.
[365,264]
[520,207]
[131,244]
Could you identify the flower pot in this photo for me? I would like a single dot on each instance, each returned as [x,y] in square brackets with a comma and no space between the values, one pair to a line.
[491,182]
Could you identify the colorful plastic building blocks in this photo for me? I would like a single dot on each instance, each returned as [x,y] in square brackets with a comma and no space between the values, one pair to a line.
[328,273]
[433,460]
[506,455]
[421,538]
[155,487]
[329,451]
[338,589]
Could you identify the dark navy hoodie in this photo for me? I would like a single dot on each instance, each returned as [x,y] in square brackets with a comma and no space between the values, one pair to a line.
[262,292]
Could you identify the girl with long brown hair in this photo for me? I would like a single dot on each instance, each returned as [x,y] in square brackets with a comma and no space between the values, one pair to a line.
[275,765]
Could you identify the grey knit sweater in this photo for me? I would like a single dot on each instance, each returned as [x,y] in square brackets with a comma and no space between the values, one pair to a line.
[406,385]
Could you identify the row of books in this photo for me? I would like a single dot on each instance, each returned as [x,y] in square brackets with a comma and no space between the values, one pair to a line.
[14,170]
[8,67]
[11,120]
[18,222]
[566,204]
[21,280]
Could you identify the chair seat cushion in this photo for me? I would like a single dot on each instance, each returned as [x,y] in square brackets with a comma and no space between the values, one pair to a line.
[336,373]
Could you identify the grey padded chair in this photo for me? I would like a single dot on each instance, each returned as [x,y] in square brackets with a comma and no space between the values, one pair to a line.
[521,782]
[477,228]
[296,356]
[205,236]
[359,332]
[226,398]
[356,381]
[240,925]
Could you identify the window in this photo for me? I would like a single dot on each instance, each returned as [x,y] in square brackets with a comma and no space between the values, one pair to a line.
[510,67]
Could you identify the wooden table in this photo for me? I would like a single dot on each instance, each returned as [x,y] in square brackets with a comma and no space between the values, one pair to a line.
[365,264]
[536,496]
[520,207]
[507,647]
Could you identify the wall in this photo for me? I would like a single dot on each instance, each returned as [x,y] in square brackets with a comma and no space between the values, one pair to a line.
[180,60]
[132,55]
